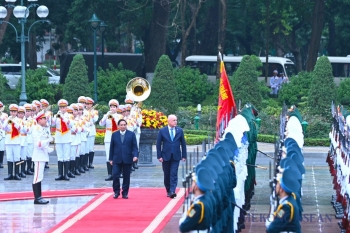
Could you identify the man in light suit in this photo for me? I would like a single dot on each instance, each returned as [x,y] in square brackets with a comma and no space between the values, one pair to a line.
[169,141]
[122,153]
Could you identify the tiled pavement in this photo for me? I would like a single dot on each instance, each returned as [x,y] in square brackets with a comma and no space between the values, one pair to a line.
[23,216]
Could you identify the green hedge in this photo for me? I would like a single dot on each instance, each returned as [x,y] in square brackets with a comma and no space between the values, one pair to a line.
[307,141]
[192,139]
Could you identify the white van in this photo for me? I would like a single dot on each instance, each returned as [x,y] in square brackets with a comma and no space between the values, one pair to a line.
[340,67]
[12,72]
[207,65]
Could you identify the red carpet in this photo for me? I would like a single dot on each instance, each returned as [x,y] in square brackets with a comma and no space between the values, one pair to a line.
[13,196]
[146,210]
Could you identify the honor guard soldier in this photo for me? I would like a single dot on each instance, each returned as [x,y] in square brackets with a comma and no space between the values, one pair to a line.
[92,117]
[110,120]
[199,215]
[76,141]
[286,217]
[45,106]
[12,143]
[37,105]
[3,118]
[23,138]
[30,123]
[62,139]
[83,138]
[41,141]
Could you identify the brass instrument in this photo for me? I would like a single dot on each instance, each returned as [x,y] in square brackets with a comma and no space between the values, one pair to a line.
[9,121]
[58,115]
[110,115]
[138,88]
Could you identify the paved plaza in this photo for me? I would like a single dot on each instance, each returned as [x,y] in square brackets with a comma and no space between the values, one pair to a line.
[24,216]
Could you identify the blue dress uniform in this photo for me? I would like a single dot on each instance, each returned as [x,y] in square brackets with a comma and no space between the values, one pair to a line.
[199,215]
[286,217]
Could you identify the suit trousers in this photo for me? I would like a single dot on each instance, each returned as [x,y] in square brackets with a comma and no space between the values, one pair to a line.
[170,174]
[24,152]
[13,152]
[126,177]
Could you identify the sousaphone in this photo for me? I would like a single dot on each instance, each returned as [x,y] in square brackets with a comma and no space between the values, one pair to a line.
[138,88]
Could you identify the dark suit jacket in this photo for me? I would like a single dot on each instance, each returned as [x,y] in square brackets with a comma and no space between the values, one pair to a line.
[123,152]
[166,147]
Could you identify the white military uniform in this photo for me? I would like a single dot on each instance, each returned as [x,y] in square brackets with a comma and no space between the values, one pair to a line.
[62,139]
[92,117]
[12,139]
[137,115]
[75,139]
[41,141]
[23,138]
[3,118]
[107,122]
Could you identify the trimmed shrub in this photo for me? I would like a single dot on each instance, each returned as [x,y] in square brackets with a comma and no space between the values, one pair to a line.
[37,86]
[245,85]
[77,82]
[297,90]
[191,86]
[322,89]
[343,94]
[164,96]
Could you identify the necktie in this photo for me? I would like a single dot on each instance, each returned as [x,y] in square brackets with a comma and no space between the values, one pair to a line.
[172,134]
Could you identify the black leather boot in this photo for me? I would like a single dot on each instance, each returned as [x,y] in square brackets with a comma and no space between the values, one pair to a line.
[66,168]
[37,194]
[86,158]
[29,164]
[76,166]
[47,165]
[91,159]
[1,158]
[23,169]
[71,169]
[10,171]
[109,171]
[16,176]
[60,171]
[32,168]
[81,164]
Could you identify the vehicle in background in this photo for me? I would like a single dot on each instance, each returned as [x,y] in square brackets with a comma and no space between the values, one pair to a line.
[12,72]
[208,65]
[340,68]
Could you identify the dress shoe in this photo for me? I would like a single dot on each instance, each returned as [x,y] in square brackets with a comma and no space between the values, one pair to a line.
[116,195]
[41,201]
[125,197]
[172,195]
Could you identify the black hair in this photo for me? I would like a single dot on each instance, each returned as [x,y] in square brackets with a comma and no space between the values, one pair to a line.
[121,121]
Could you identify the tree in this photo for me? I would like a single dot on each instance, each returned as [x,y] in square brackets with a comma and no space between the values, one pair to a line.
[111,83]
[192,87]
[322,91]
[37,86]
[164,95]
[316,32]
[245,85]
[77,82]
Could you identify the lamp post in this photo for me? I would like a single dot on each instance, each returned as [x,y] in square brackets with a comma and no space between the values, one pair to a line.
[21,12]
[95,22]
[102,29]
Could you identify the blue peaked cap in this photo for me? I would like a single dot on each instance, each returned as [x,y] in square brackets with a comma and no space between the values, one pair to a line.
[204,180]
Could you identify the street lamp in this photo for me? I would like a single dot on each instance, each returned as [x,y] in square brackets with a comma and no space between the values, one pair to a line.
[21,13]
[102,29]
[95,22]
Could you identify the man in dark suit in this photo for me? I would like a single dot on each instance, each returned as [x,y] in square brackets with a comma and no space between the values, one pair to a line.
[169,141]
[122,153]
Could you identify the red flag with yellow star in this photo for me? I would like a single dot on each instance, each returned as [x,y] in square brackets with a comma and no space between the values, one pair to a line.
[226,104]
